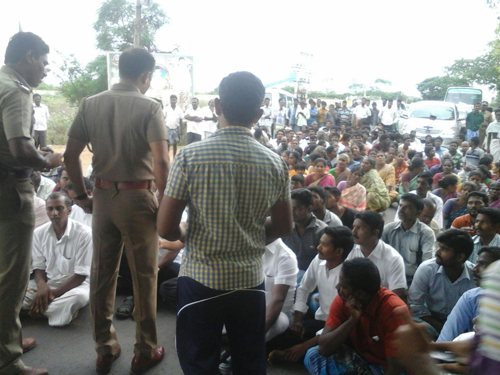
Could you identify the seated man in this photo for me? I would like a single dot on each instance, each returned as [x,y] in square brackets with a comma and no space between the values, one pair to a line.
[427,216]
[322,274]
[359,329]
[346,214]
[62,254]
[319,209]
[77,213]
[411,238]
[461,317]
[306,232]
[487,226]
[367,231]
[475,201]
[439,282]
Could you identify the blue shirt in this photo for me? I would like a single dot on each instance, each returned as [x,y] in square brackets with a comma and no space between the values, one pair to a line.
[432,292]
[313,111]
[460,319]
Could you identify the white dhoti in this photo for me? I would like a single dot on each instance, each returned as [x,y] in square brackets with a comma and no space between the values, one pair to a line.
[61,309]
[278,327]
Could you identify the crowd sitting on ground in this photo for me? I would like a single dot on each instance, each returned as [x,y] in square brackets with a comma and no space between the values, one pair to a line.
[345,171]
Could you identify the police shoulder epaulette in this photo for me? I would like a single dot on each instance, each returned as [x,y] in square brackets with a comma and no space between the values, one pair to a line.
[25,88]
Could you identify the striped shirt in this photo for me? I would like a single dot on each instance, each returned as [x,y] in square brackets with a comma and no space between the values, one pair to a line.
[489,310]
[230,182]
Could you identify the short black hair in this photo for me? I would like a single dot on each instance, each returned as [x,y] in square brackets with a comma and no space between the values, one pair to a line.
[428,149]
[413,199]
[438,138]
[173,96]
[320,191]
[341,237]
[58,195]
[383,137]
[493,251]
[303,196]
[447,181]
[319,160]
[492,213]
[415,163]
[21,43]
[135,62]
[458,240]
[296,155]
[474,140]
[298,178]
[334,190]
[241,95]
[89,185]
[362,274]
[35,95]
[479,194]
[373,219]
[300,165]
[427,176]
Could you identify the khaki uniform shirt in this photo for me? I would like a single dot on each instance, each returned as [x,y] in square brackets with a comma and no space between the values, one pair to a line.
[120,124]
[16,113]
[488,119]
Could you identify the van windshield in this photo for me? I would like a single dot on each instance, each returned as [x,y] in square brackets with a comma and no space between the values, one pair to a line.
[439,111]
[467,96]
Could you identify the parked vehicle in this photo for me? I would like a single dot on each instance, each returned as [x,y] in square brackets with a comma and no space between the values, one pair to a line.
[432,117]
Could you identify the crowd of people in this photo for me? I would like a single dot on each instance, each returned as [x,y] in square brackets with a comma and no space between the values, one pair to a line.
[267,229]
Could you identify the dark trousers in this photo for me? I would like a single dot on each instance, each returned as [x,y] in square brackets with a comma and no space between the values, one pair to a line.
[202,313]
[192,137]
[40,138]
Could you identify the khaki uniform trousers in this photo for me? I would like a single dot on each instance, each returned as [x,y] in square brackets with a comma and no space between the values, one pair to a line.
[124,218]
[17,222]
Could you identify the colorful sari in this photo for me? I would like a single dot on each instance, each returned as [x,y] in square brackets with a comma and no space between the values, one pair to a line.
[399,170]
[377,196]
[354,197]
[343,176]
[326,180]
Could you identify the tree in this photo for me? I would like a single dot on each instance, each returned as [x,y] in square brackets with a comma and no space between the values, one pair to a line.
[435,88]
[115,25]
[482,70]
[290,89]
[83,81]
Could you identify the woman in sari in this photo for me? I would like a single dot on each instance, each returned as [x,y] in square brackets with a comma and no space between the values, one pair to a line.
[456,207]
[409,179]
[387,174]
[447,166]
[400,166]
[320,177]
[354,196]
[341,173]
[377,196]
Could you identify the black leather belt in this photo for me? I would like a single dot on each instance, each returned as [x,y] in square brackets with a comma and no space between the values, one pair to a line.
[16,173]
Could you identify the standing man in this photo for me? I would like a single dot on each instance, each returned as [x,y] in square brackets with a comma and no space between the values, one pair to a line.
[25,61]
[128,135]
[291,118]
[194,117]
[41,118]
[230,194]
[279,116]
[388,117]
[473,122]
[267,112]
[173,120]
[487,119]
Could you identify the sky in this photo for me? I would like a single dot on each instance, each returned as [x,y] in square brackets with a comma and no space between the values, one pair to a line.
[402,41]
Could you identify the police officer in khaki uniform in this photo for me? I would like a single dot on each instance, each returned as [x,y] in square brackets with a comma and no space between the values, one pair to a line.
[25,61]
[129,140]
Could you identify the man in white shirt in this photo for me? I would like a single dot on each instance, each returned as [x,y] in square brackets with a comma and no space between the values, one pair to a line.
[323,274]
[388,116]
[280,269]
[279,116]
[361,112]
[194,117]
[302,114]
[43,186]
[367,230]
[62,255]
[41,113]
[267,112]
[77,213]
[173,119]
[209,124]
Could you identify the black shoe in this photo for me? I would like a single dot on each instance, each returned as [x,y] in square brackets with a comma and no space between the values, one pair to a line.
[126,309]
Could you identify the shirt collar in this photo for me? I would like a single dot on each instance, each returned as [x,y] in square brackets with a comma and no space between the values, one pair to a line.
[275,245]
[234,130]
[465,273]
[125,87]
[377,251]
[413,229]
[19,79]
[66,232]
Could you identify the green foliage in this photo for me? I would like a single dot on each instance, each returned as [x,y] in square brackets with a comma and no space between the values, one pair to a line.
[290,89]
[61,117]
[435,88]
[482,70]
[115,25]
[83,81]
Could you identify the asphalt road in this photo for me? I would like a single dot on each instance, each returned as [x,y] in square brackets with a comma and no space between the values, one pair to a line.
[70,350]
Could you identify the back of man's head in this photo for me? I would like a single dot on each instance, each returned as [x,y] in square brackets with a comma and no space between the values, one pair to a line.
[21,43]
[458,240]
[241,95]
[362,275]
[135,62]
